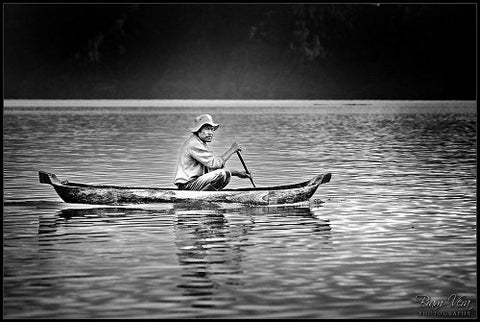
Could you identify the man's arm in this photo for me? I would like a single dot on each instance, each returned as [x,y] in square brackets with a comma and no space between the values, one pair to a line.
[240,174]
[206,157]
[233,149]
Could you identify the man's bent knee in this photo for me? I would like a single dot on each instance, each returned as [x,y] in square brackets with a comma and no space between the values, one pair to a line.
[221,179]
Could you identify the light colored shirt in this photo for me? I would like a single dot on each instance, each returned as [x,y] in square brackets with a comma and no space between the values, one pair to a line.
[195,159]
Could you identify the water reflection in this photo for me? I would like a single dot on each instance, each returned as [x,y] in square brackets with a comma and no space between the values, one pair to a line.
[50,223]
[210,249]
[216,248]
[212,245]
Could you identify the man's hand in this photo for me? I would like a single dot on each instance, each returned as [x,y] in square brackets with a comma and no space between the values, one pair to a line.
[240,174]
[233,149]
[236,147]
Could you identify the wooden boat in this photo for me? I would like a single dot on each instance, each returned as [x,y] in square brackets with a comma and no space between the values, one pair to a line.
[115,195]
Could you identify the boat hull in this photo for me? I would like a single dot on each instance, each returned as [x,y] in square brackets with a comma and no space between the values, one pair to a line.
[116,195]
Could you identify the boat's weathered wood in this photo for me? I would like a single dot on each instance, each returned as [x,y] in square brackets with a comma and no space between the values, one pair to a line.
[102,194]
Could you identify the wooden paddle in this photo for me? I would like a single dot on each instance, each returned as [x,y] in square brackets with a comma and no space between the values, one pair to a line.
[245,167]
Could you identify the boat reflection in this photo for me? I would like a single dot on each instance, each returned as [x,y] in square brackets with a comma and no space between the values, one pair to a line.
[50,223]
[216,246]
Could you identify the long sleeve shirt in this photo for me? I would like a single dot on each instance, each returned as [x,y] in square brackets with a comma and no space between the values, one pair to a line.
[195,159]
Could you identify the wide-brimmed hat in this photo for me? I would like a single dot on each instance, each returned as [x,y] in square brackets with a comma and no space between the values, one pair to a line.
[201,120]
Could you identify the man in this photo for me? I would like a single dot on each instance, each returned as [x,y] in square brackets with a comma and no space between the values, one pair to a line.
[198,168]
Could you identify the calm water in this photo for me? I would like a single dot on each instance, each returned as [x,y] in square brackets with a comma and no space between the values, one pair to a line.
[397,220]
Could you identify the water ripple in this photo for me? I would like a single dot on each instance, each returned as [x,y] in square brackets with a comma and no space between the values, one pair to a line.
[397,220]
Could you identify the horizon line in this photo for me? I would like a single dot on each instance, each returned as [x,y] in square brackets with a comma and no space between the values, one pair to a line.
[193,102]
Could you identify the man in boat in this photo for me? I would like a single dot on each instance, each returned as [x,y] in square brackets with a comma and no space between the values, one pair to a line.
[198,168]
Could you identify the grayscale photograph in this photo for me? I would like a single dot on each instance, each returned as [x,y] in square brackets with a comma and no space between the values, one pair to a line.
[239,160]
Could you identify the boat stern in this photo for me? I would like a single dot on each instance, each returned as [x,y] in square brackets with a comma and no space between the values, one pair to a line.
[322,178]
[318,180]
[298,194]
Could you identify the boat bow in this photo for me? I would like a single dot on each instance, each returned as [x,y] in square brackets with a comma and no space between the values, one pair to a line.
[48,178]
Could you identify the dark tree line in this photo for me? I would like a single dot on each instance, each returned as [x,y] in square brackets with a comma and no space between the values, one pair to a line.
[240,51]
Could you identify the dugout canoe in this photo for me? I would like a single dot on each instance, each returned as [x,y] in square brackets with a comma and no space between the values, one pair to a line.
[71,192]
